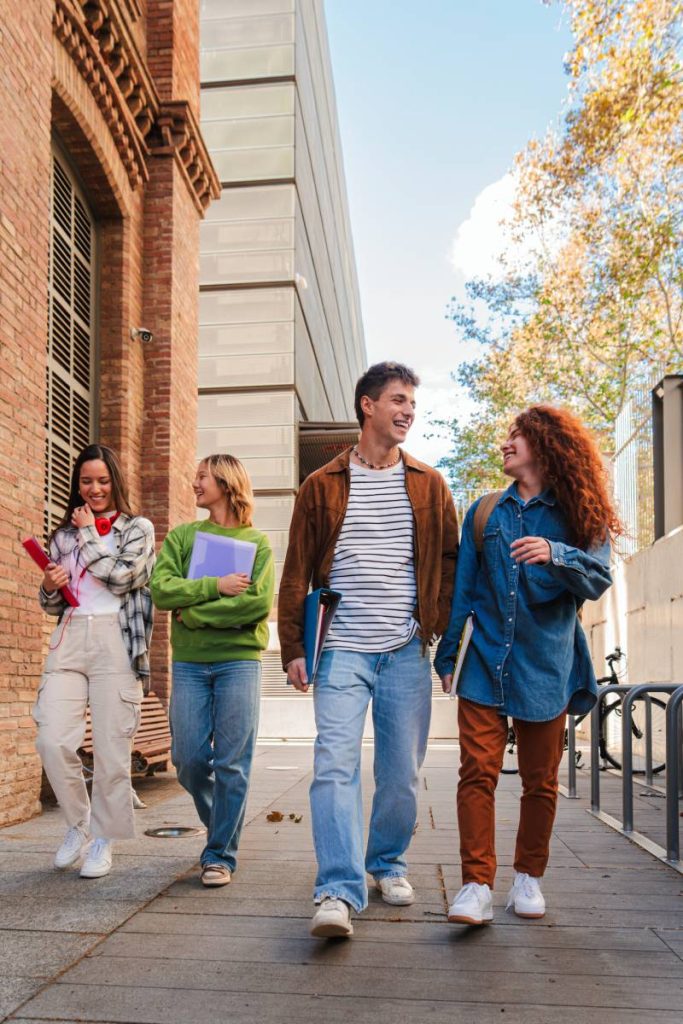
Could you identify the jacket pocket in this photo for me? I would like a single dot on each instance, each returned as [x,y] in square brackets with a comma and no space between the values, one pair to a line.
[36,714]
[131,699]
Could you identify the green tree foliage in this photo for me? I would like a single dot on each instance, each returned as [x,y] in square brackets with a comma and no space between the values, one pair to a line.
[590,293]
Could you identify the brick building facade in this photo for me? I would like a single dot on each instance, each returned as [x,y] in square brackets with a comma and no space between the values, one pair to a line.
[104,178]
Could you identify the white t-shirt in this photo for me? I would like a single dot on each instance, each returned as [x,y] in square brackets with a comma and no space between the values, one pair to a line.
[374,565]
[93,596]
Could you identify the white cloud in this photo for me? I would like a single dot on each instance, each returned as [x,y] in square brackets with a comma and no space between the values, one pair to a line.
[481,238]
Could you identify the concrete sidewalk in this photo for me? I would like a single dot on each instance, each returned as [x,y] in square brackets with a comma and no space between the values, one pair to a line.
[149,945]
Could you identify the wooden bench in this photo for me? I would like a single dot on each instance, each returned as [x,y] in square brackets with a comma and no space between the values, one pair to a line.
[151,745]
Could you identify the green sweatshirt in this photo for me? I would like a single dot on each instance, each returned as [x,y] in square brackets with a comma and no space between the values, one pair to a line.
[214,627]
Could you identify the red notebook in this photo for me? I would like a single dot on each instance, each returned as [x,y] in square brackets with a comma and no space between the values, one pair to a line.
[41,559]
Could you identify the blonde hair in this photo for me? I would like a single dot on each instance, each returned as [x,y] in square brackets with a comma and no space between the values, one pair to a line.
[234,479]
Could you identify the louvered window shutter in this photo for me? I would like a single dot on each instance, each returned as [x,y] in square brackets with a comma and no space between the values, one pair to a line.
[70,346]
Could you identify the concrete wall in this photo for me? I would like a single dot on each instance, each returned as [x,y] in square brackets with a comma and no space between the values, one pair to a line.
[643,614]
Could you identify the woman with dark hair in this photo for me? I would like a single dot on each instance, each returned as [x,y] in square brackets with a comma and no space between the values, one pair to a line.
[529,557]
[98,656]
[219,629]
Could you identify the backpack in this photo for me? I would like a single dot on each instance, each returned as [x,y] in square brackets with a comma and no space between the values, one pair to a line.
[482,514]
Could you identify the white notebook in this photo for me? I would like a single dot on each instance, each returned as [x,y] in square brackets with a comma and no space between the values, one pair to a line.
[215,555]
[465,638]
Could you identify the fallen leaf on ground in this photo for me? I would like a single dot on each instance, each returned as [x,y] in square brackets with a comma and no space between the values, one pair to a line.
[274,816]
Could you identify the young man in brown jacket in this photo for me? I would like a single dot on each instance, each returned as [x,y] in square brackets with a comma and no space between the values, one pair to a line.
[380,527]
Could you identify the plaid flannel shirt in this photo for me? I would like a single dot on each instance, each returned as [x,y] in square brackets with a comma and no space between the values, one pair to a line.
[125,573]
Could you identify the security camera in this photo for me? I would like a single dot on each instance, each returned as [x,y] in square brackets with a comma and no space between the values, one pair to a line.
[143,333]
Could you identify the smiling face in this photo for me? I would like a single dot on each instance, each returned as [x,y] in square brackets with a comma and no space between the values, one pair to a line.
[390,416]
[207,490]
[518,458]
[95,486]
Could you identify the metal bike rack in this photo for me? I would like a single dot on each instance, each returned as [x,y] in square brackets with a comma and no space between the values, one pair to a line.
[670,855]
[603,692]
[643,689]
[569,791]
[674,776]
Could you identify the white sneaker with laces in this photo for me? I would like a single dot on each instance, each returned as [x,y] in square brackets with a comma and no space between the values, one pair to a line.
[98,861]
[472,905]
[525,896]
[332,919]
[72,847]
[396,890]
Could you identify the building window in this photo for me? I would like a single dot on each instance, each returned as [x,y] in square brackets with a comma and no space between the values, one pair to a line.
[71,336]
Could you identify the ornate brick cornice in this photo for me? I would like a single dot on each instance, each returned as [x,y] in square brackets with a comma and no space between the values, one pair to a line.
[108,24]
[73,33]
[97,36]
[177,134]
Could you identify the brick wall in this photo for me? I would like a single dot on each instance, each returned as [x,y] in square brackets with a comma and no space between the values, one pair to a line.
[148,273]
[25,47]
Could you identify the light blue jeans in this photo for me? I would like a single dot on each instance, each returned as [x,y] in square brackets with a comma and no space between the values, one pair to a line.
[214,719]
[399,685]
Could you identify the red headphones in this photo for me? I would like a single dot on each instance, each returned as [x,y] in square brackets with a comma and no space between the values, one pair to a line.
[103,524]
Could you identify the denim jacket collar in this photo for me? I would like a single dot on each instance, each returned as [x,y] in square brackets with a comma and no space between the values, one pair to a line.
[546,496]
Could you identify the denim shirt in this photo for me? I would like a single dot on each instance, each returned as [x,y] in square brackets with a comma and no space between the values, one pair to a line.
[528,655]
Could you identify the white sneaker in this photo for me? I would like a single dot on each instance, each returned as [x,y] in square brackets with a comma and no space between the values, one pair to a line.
[396,890]
[332,919]
[525,896]
[98,861]
[472,905]
[72,847]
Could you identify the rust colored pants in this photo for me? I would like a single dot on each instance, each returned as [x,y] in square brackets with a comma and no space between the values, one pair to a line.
[483,733]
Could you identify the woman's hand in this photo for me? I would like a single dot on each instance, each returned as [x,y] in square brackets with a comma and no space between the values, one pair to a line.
[447,682]
[82,516]
[233,584]
[532,550]
[54,578]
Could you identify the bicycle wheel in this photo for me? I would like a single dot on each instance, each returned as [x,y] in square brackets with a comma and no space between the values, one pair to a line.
[510,766]
[610,734]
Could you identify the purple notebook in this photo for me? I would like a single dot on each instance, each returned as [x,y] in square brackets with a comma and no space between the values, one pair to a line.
[213,555]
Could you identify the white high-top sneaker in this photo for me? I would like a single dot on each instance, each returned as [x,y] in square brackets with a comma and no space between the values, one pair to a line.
[525,896]
[472,905]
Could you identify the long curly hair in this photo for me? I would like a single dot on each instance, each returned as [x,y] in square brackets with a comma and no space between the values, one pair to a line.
[570,464]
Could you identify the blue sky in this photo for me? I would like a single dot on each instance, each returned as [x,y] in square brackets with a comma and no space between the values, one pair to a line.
[434,100]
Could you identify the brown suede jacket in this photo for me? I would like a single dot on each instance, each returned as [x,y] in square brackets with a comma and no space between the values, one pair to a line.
[317,519]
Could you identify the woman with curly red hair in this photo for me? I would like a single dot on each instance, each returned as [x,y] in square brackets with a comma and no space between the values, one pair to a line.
[529,557]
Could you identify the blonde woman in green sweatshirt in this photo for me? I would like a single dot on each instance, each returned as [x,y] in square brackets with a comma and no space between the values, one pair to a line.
[218,631]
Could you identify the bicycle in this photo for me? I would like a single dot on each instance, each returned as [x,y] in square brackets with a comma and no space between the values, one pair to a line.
[608,708]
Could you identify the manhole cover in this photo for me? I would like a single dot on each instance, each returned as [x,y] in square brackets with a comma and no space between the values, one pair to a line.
[174,832]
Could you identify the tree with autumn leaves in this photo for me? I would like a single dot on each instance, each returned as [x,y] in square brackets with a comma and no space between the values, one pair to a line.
[590,295]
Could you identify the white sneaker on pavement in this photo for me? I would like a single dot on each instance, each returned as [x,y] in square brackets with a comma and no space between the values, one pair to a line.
[332,919]
[72,847]
[98,861]
[396,890]
[525,896]
[472,905]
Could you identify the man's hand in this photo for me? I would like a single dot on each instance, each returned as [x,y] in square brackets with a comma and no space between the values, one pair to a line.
[82,516]
[296,674]
[447,682]
[54,578]
[233,584]
[532,550]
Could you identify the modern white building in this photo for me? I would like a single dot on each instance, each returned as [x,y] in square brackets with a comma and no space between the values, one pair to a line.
[281,339]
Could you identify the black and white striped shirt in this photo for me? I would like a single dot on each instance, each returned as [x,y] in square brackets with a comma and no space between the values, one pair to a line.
[374,565]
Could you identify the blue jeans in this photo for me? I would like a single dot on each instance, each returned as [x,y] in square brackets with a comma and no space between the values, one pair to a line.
[399,684]
[214,719]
